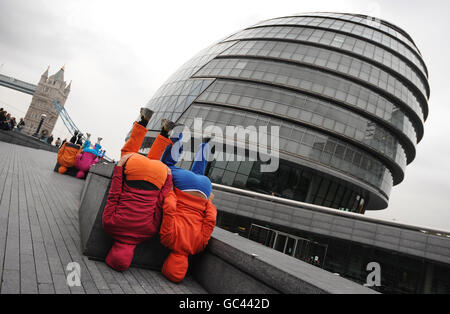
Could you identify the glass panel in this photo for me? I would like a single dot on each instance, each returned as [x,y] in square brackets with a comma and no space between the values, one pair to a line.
[280,243]
[290,245]
[345,42]
[295,183]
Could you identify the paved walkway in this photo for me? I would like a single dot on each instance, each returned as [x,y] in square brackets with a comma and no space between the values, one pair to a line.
[39,234]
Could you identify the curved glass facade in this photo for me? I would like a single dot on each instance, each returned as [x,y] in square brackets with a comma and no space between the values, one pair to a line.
[302,142]
[348,44]
[314,82]
[381,25]
[334,62]
[349,99]
[354,29]
[307,110]
[179,91]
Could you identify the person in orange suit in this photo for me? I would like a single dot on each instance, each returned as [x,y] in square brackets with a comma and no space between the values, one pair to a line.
[189,216]
[139,185]
[67,156]
[188,222]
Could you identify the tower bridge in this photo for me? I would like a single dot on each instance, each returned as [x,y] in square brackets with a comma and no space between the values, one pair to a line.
[18,85]
[49,97]
[48,90]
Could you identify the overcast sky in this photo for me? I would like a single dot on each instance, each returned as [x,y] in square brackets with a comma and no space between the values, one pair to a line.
[117,53]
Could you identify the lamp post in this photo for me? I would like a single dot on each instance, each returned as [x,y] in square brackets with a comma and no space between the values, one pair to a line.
[43,116]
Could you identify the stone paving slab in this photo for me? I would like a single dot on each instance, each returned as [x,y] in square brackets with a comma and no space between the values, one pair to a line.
[39,234]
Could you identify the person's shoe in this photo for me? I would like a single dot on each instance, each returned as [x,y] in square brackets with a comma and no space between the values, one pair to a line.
[146,114]
[99,139]
[88,136]
[167,124]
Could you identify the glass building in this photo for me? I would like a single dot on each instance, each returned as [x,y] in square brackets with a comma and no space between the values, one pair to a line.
[348,93]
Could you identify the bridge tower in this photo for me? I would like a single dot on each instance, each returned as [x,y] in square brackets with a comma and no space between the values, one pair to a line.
[48,89]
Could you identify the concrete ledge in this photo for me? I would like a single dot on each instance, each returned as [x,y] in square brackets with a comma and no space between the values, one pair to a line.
[103,169]
[230,264]
[238,265]
[18,138]
[220,277]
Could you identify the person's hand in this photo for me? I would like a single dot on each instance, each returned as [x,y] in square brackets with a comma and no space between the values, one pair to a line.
[124,159]
[169,173]
[211,196]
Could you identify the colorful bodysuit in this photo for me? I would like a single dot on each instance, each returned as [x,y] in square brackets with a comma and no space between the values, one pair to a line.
[188,220]
[86,159]
[133,215]
[67,156]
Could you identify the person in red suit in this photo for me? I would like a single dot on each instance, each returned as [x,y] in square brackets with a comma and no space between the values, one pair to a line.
[139,186]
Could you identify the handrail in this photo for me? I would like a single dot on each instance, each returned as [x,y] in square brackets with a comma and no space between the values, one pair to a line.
[327,210]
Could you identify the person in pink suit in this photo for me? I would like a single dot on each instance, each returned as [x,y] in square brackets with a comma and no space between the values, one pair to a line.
[88,157]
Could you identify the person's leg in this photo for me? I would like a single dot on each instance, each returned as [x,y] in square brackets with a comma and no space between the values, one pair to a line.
[158,147]
[120,255]
[175,265]
[134,142]
[172,152]
[162,140]
[97,146]
[86,144]
[201,159]
[137,133]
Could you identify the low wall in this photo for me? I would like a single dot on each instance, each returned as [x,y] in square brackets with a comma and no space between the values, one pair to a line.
[229,265]
[233,264]
[18,138]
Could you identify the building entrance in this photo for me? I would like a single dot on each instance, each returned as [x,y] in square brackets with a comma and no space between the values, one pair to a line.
[304,249]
